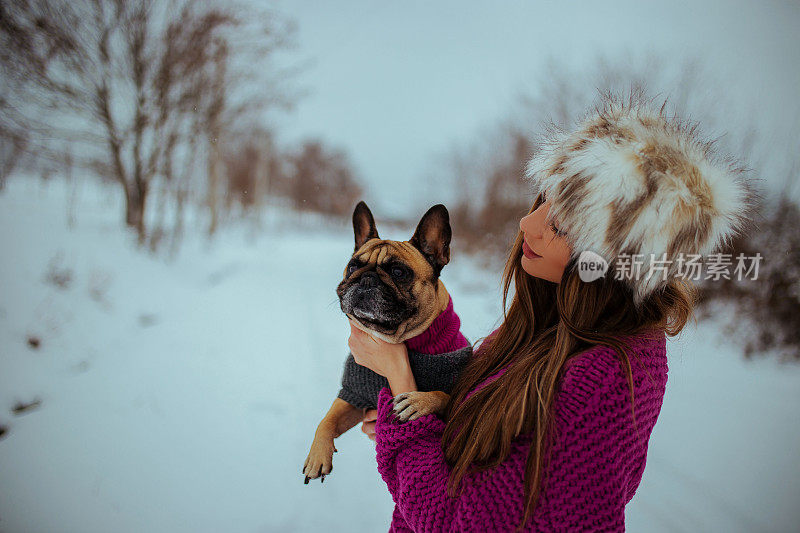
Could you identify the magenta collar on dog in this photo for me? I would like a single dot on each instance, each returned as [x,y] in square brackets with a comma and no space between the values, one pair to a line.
[443,335]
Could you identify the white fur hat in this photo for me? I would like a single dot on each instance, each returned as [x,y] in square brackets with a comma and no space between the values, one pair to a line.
[632,180]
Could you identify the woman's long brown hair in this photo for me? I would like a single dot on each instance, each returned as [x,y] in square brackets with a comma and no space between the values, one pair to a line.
[546,325]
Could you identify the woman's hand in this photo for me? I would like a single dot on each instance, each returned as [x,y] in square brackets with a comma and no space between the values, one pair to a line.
[376,354]
[368,425]
[388,360]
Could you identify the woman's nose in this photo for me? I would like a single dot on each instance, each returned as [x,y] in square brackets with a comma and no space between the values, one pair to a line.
[530,226]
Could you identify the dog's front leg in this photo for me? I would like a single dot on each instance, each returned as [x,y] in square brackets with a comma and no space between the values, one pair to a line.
[412,405]
[340,417]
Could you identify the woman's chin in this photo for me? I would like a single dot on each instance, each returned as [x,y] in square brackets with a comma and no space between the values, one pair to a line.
[529,267]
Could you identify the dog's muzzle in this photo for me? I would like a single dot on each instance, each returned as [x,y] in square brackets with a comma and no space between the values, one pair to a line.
[372,301]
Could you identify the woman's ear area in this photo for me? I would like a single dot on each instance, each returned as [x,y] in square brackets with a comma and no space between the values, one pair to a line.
[567,253]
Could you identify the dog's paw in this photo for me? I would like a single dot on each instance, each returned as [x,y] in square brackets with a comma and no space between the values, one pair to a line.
[412,405]
[319,462]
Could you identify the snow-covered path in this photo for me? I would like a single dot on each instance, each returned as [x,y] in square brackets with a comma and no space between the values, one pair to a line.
[183,396]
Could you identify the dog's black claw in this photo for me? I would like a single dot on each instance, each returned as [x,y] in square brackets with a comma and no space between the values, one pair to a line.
[306,481]
[323,479]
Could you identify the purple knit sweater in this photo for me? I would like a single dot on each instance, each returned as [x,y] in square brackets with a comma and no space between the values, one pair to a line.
[596,464]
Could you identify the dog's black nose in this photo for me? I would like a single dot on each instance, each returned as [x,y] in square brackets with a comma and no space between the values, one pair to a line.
[369,280]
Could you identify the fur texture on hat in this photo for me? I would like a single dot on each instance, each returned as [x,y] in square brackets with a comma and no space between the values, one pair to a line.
[632,180]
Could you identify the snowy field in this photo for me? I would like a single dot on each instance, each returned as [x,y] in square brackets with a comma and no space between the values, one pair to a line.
[182,396]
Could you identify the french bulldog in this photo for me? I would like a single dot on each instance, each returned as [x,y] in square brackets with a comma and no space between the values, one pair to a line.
[393,291]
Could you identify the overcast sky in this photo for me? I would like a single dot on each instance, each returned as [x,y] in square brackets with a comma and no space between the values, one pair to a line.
[396,83]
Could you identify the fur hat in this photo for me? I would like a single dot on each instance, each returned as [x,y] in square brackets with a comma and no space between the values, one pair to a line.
[632,180]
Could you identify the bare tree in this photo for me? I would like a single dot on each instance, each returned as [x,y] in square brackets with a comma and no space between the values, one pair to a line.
[252,164]
[12,148]
[323,180]
[133,83]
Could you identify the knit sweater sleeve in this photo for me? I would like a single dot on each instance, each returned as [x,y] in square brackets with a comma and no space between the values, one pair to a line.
[588,473]
[412,465]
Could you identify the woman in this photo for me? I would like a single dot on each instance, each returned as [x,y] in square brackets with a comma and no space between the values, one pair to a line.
[547,427]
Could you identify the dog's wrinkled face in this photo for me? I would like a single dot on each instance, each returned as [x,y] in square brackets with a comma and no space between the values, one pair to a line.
[391,287]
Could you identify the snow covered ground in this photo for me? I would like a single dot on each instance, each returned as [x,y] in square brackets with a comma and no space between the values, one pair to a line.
[182,396]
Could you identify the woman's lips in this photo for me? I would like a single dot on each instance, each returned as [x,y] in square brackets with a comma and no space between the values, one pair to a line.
[530,254]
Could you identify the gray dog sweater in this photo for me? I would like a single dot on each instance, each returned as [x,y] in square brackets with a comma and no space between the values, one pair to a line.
[436,356]
[360,385]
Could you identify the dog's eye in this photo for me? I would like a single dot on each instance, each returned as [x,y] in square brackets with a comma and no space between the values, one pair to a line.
[398,272]
[352,267]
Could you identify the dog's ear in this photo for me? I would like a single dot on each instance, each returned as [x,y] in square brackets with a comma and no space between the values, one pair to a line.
[432,237]
[363,225]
